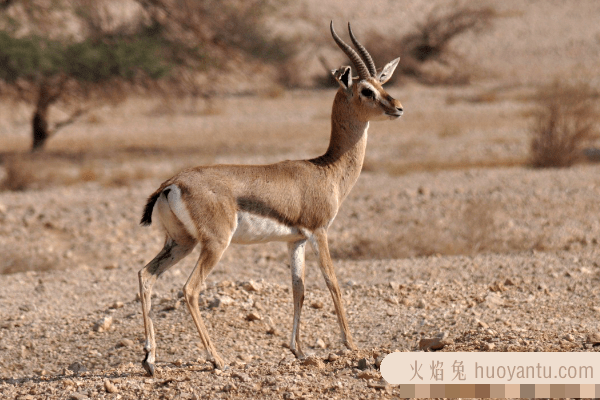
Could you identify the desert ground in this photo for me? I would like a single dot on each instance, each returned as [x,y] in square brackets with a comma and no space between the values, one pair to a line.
[448,232]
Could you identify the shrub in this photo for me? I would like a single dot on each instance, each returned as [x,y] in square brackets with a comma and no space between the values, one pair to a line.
[425,52]
[564,123]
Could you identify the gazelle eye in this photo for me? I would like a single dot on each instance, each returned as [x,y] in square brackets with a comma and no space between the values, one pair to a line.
[367,93]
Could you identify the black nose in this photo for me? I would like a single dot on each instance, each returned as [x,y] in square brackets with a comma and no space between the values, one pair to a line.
[399,109]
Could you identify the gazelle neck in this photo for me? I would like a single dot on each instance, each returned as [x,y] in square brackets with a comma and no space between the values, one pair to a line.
[346,152]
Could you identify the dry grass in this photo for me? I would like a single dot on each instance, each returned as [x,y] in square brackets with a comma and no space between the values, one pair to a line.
[564,123]
[19,173]
[435,166]
[469,230]
[426,52]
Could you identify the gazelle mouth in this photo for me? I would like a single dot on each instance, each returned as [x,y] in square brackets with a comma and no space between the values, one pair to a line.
[394,115]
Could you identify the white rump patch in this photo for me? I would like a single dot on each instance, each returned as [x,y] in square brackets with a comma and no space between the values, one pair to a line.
[252,228]
[173,203]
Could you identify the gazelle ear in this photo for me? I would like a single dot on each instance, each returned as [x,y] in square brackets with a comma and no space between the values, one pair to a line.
[387,71]
[343,76]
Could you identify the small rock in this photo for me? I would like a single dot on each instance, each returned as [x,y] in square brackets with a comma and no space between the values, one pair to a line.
[221,301]
[570,337]
[317,304]
[241,376]
[103,324]
[392,300]
[77,396]
[381,385]
[252,286]
[436,343]
[258,305]
[369,374]
[320,344]
[117,304]
[313,361]
[508,282]
[363,364]
[253,316]
[593,339]
[68,382]
[77,367]
[229,387]
[494,299]
[111,266]
[178,362]
[125,343]
[333,357]
[379,359]
[489,346]
[394,285]
[482,324]
[109,387]
[421,304]
[497,287]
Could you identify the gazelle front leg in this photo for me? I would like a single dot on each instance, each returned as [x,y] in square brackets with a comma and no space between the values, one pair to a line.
[171,253]
[296,250]
[319,243]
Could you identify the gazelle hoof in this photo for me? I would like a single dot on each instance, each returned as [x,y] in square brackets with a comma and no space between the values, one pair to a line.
[218,363]
[149,367]
[299,354]
[351,346]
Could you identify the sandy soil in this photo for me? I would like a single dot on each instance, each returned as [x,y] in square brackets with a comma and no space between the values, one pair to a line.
[446,232]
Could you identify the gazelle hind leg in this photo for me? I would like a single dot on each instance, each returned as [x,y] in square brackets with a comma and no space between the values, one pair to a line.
[209,257]
[319,243]
[171,253]
[296,250]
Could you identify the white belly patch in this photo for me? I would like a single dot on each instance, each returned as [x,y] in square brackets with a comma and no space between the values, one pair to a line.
[252,228]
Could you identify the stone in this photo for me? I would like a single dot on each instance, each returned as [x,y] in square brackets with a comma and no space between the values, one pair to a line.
[436,343]
[253,316]
[379,385]
[569,337]
[252,286]
[333,357]
[368,374]
[125,343]
[363,364]
[320,344]
[313,361]
[110,387]
[117,304]
[317,304]
[103,324]
[220,301]
[77,367]
[482,324]
[230,387]
[593,339]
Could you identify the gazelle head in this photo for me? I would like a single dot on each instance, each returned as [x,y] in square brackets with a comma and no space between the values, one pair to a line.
[366,92]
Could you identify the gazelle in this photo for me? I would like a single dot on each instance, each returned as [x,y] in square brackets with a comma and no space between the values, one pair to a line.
[291,201]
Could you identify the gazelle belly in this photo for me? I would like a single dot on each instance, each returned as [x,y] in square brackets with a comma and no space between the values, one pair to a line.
[252,228]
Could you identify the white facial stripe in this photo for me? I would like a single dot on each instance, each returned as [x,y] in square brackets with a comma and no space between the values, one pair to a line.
[252,228]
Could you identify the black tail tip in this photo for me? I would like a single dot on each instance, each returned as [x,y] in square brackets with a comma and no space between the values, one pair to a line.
[147,215]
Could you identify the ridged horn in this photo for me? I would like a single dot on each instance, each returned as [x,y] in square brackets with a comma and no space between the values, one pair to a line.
[364,54]
[361,68]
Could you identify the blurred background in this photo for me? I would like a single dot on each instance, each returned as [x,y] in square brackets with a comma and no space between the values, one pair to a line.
[113,93]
